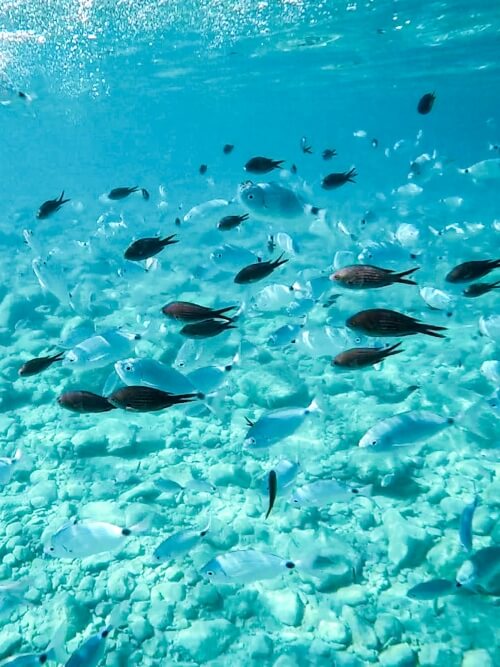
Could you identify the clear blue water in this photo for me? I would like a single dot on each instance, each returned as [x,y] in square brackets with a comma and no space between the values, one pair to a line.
[142,93]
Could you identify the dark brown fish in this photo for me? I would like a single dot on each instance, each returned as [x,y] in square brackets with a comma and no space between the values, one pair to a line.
[361,357]
[35,366]
[184,311]
[366,276]
[254,272]
[478,289]
[328,153]
[231,221]
[51,206]
[228,148]
[262,165]
[147,247]
[147,399]
[472,270]
[384,322]
[272,484]
[206,328]
[203,169]
[84,401]
[123,193]
[337,179]
[426,103]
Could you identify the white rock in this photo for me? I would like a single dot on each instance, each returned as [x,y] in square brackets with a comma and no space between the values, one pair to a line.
[477,658]
[285,606]
[408,543]
[362,632]
[399,655]
[431,655]
[334,631]
[204,640]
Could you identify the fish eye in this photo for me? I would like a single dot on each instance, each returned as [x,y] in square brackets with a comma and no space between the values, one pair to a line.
[43,658]
[250,196]
[466,171]
[373,442]
[128,368]
[210,573]
[51,548]
[295,500]
[357,340]
[354,490]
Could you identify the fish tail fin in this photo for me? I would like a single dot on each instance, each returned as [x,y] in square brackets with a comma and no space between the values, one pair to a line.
[58,357]
[313,407]
[366,491]
[220,313]
[430,330]
[393,349]
[496,263]
[279,261]
[55,650]
[320,213]
[18,455]
[141,527]
[351,175]
[277,164]
[61,199]
[400,277]
[495,285]
[207,527]
[169,240]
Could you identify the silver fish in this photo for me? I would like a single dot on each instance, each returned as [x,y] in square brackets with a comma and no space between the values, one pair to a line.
[276,425]
[179,544]
[465,528]
[245,566]
[327,491]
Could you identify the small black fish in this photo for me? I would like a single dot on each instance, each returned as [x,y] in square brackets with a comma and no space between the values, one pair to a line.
[228,148]
[206,328]
[231,221]
[374,143]
[272,484]
[203,169]
[478,289]
[147,247]
[122,193]
[366,276]
[51,206]
[271,243]
[293,168]
[328,153]
[472,270]
[177,222]
[84,401]
[185,311]
[426,103]
[254,272]
[361,357]
[147,399]
[385,322]
[262,165]
[305,147]
[35,366]
[145,194]
[336,179]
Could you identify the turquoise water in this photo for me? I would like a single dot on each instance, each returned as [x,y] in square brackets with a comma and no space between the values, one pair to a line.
[141,93]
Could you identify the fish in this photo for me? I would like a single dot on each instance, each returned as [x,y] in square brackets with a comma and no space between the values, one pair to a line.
[287,243]
[328,153]
[179,544]
[81,539]
[326,491]
[231,221]
[255,272]
[481,571]
[433,589]
[465,527]
[384,322]
[245,566]
[152,373]
[366,276]
[195,485]
[230,257]
[491,371]
[147,399]
[227,148]
[478,289]
[337,179]
[201,210]
[490,326]
[51,206]
[425,103]
[486,170]
[100,350]
[147,247]
[39,364]
[276,425]
[51,279]
[305,147]
[185,311]
[436,299]
[272,482]
[405,428]
[262,165]
[124,192]
[84,402]
[284,335]
[361,357]
[8,465]
[472,270]
[286,472]
[203,169]
[210,378]
[206,328]
[274,202]
[273,297]
[91,652]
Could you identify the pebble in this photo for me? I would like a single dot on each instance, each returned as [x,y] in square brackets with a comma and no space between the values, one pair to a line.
[431,655]
[362,633]
[9,643]
[408,543]
[140,628]
[260,646]
[204,640]
[334,631]
[399,655]
[477,658]
[285,606]
[388,629]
